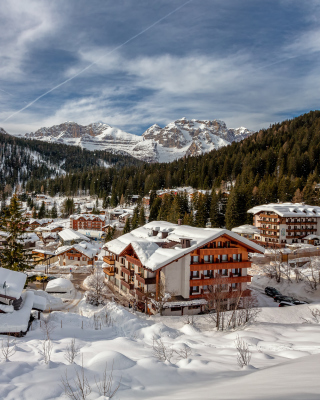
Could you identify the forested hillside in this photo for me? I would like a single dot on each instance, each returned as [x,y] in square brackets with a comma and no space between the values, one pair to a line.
[279,163]
[22,159]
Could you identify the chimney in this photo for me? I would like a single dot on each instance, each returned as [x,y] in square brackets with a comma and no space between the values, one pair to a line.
[164,234]
[179,221]
[155,231]
[185,243]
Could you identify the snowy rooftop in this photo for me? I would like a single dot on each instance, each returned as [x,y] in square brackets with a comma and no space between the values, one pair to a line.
[288,209]
[153,256]
[83,248]
[14,282]
[69,234]
[59,285]
[88,216]
[249,229]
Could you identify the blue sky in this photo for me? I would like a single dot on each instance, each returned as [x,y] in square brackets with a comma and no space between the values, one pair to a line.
[247,62]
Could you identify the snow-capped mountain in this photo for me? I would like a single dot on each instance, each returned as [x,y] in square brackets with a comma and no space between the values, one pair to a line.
[177,139]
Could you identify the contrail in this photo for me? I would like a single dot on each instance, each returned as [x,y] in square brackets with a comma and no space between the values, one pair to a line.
[97,61]
[1,90]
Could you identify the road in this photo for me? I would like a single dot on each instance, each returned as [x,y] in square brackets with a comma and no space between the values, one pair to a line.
[262,299]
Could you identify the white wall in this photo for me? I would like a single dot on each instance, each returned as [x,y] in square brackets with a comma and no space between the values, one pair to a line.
[177,276]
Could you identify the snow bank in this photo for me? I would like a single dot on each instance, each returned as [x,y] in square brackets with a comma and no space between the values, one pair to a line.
[59,285]
[14,282]
[18,320]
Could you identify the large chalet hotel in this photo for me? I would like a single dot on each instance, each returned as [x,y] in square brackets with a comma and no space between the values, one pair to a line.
[87,221]
[286,223]
[183,261]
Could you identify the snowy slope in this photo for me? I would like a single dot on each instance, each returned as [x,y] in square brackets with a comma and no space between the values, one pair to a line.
[284,364]
[177,139]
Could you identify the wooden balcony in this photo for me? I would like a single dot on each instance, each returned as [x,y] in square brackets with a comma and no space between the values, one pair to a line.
[219,250]
[127,285]
[127,271]
[145,281]
[74,255]
[220,280]
[109,271]
[139,293]
[220,265]
[226,295]
[133,260]
[109,260]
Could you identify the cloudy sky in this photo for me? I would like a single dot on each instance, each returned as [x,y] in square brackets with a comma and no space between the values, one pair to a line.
[140,62]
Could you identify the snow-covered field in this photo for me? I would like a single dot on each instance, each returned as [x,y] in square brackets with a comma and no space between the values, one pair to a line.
[284,365]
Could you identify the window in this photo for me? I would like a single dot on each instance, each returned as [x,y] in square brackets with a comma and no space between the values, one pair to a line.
[195,274]
[225,272]
[206,258]
[219,244]
[195,289]
[205,288]
[234,285]
[195,259]
[175,308]
[235,257]
[224,257]
[239,257]
[71,258]
[193,307]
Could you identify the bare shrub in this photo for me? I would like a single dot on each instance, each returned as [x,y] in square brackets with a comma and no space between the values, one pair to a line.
[46,350]
[315,313]
[8,347]
[97,292]
[244,354]
[47,326]
[312,276]
[79,388]
[188,320]
[105,384]
[161,351]
[72,351]
[184,352]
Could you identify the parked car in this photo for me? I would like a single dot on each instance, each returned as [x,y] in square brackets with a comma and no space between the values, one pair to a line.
[41,278]
[271,291]
[50,278]
[280,298]
[291,303]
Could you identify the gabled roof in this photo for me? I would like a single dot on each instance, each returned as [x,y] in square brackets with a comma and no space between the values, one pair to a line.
[69,234]
[288,209]
[154,256]
[14,282]
[88,216]
[83,248]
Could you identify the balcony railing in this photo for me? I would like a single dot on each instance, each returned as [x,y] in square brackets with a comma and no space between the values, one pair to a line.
[127,271]
[127,284]
[220,280]
[109,260]
[220,265]
[109,271]
[226,295]
[133,260]
[145,281]
[139,293]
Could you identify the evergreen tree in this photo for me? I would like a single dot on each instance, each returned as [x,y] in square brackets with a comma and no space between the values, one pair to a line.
[111,232]
[154,210]
[42,211]
[54,211]
[188,219]
[34,213]
[135,219]
[153,196]
[174,213]
[13,255]
[114,198]
[142,218]
[127,226]
[236,209]
[215,218]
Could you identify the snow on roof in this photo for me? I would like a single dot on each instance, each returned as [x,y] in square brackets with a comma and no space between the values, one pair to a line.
[288,209]
[17,321]
[42,251]
[39,303]
[69,234]
[153,256]
[83,247]
[50,234]
[187,303]
[28,237]
[88,216]
[59,285]
[40,221]
[91,233]
[14,282]
[311,237]
[246,229]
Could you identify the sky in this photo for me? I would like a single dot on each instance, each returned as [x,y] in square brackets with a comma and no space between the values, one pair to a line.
[134,63]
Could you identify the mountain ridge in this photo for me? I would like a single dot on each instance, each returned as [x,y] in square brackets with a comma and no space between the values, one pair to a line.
[177,139]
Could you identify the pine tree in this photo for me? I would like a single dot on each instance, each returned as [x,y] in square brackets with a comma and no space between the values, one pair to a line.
[111,232]
[142,218]
[154,210]
[42,211]
[174,213]
[34,213]
[153,196]
[135,219]
[236,209]
[54,211]
[188,219]
[13,255]
[215,218]
[127,226]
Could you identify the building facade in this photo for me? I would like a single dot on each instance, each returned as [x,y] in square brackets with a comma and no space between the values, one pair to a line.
[87,221]
[285,223]
[181,261]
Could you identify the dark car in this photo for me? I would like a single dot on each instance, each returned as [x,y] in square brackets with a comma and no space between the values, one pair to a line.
[50,278]
[291,303]
[270,291]
[280,298]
